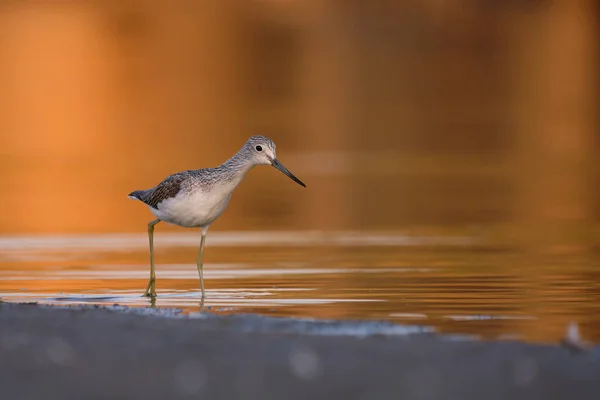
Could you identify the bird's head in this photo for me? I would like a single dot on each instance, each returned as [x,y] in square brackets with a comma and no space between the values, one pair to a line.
[262,151]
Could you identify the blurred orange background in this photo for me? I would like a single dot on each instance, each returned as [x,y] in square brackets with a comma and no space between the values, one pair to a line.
[429,115]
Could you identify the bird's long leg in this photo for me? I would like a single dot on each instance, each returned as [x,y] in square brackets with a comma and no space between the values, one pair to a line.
[151,288]
[199,262]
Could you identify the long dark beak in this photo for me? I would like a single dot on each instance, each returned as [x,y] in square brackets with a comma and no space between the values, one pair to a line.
[275,162]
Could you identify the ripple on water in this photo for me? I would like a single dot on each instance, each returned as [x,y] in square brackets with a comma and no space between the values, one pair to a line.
[446,282]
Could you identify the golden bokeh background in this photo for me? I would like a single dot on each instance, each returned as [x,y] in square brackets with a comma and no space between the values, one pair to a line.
[414,114]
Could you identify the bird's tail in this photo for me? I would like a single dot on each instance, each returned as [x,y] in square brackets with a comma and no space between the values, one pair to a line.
[136,195]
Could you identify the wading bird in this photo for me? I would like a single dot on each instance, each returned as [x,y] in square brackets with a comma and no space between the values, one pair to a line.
[196,198]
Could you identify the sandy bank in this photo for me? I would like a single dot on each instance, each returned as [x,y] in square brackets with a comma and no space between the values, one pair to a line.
[95,353]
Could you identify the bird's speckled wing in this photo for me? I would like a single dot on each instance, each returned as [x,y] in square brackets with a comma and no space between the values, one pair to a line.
[168,188]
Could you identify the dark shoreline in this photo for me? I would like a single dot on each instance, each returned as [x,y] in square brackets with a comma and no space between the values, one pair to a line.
[120,353]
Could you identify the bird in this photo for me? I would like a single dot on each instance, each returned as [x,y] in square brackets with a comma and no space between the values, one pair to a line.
[196,198]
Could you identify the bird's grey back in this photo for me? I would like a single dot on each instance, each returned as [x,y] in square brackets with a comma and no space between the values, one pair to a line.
[187,181]
[201,179]
[169,187]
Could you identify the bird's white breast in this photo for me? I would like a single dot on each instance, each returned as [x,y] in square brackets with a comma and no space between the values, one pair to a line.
[194,209]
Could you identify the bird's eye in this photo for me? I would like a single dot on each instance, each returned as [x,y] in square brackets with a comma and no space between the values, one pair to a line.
[258,148]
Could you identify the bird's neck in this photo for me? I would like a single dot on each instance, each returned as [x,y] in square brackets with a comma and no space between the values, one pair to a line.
[236,167]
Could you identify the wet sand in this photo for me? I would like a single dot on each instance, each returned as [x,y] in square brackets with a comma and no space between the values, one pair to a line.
[99,353]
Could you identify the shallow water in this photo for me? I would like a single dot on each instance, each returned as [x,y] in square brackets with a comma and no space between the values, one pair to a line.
[447,284]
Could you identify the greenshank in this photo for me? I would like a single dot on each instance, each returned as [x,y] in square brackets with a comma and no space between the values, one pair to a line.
[196,198]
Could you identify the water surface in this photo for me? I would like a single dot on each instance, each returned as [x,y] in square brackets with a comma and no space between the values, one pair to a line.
[449,284]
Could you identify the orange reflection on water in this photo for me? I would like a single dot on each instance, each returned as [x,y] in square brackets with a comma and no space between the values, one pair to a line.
[454,288]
